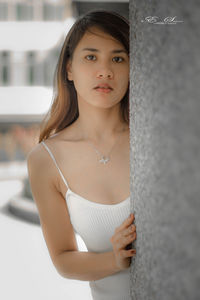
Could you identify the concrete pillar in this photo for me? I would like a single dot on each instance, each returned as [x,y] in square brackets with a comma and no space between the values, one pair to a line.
[165,149]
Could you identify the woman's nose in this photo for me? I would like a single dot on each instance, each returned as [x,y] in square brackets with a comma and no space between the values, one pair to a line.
[105,72]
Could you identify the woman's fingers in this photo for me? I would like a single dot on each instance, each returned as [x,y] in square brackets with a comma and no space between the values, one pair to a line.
[128,253]
[130,229]
[124,241]
[127,222]
[124,234]
[121,241]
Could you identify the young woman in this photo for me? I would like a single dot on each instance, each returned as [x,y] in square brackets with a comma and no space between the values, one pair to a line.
[79,170]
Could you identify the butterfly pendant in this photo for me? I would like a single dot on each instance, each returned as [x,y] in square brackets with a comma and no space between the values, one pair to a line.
[104,160]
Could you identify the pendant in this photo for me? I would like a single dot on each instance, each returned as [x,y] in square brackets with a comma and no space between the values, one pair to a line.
[104,160]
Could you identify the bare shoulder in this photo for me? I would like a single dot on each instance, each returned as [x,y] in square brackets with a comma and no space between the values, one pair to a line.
[37,159]
[40,163]
[36,154]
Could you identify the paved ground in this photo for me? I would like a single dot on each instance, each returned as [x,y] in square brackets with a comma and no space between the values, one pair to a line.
[26,270]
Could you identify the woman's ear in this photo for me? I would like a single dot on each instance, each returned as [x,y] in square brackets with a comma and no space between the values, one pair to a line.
[69,70]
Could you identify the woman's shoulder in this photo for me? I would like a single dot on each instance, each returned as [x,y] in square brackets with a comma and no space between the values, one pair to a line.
[36,156]
[40,166]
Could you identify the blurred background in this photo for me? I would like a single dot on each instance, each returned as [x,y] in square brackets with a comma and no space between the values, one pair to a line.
[31,36]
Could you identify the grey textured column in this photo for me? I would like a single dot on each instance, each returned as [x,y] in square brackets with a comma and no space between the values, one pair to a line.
[165,150]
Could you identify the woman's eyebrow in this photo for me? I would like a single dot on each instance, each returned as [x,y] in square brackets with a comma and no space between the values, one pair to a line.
[113,51]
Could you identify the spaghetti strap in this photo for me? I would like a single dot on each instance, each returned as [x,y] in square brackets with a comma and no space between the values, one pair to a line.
[51,154]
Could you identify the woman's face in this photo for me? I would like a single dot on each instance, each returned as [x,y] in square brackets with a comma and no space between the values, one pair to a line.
[99,65]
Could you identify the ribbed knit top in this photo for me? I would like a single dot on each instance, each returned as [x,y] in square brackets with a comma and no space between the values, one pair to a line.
[95,223]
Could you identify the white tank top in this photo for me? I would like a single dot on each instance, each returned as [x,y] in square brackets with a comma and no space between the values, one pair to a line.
[95,223]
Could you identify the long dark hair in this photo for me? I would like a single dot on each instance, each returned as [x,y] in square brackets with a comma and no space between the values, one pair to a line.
[64,109]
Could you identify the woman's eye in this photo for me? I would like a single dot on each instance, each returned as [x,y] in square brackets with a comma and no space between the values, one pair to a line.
[90,56]
[119,58]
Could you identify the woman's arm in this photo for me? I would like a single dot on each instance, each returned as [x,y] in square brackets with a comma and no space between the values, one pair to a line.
[56,226]
[86,266]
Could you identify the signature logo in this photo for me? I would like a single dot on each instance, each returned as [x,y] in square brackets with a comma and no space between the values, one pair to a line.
[155,20]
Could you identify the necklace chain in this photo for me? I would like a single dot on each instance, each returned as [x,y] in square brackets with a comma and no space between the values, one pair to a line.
[105,159]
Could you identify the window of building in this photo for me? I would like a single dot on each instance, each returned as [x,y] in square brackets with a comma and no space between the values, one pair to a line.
[3,11]
[50,66]
[24,11]
[53,12]
[4,68]
[30,68]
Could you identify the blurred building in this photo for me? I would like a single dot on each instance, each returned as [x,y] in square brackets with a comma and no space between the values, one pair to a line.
[32,33]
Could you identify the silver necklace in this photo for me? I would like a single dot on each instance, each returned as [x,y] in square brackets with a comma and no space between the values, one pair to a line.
[105,159]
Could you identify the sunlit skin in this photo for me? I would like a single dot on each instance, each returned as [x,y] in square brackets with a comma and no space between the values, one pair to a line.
[88,69]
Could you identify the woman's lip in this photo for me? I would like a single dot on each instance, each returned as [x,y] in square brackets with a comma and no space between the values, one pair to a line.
[103,90]
[103,87]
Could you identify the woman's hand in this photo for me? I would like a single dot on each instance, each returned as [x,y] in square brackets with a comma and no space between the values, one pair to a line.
[123,236]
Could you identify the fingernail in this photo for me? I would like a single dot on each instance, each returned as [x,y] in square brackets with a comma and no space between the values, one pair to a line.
[130,216]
